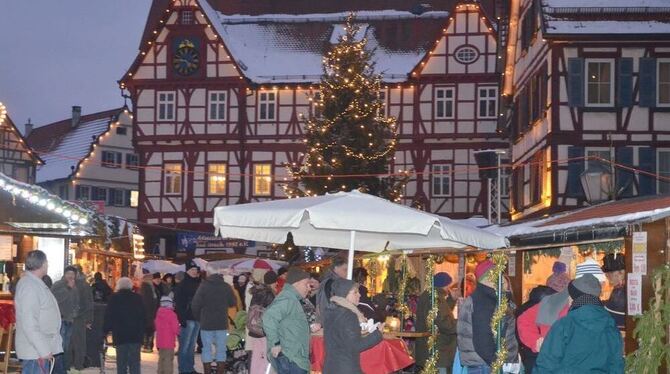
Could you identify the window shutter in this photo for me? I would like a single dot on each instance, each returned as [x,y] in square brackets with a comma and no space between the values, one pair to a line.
[110,196]
[648,164]
[514,125]
[126,201]
[523,111]
[625,82]
[624,178]
[575,170]
[517,187]
[647,82]
[544,88]
[576,82]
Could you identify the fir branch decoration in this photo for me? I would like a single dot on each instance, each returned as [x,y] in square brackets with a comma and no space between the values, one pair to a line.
[431,363]
[500,261]
[402,287]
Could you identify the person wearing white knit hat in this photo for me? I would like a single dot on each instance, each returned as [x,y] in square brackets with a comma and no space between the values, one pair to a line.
[590,266]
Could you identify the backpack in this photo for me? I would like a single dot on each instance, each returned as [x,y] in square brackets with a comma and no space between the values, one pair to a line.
[255,321]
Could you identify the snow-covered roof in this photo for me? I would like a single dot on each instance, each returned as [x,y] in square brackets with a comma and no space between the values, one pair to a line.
[67,145]
[285,48]
[606,17]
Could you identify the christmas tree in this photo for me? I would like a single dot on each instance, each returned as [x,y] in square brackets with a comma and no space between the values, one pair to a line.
[351,143]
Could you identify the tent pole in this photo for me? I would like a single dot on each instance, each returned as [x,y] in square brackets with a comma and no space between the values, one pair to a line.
[499,339]
[350,260]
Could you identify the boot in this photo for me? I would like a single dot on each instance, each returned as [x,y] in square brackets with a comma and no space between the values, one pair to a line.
[207,367]
[220,368]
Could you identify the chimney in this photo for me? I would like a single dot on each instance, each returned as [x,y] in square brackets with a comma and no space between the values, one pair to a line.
[76,115]
[27,128]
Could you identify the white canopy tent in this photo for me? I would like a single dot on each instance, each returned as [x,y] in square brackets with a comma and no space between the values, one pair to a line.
[348,220]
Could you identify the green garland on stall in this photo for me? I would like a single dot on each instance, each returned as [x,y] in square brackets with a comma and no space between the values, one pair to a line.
[652,352]
[431,363]
[500,261]
[402,288]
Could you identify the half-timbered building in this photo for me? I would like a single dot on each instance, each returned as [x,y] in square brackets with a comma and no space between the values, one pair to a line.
[586,80]
[219,88]
[90,158]
[17,160]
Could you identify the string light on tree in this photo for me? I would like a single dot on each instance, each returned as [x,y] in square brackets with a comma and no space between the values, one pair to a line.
[352,140]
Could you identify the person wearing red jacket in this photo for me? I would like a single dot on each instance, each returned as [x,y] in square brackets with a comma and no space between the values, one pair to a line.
[167,330]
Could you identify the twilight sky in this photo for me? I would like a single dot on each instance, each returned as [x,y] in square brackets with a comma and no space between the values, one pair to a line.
[60,53]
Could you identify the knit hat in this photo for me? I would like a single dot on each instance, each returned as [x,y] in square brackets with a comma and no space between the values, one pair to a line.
[558,281]
[586,284]
[483,268]
[258,274]
[166,302]
[190,264]
[270,278]
[590,266]
[441,279]
[614,262]
[157,275]
[341,287]
[559,268]
[295,275]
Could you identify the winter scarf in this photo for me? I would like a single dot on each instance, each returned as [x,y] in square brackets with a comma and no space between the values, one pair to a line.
[344,303]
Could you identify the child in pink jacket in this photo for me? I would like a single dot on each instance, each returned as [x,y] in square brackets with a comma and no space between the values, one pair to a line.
[167,330]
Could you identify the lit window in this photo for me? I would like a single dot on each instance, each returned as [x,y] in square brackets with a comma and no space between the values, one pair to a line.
[217,178]
[441,178]
[466,55]
[664,83]
[217,105]
[488,100]
[663,171]
[599,79]
[173,178]
[112,159]
[267,105]
[262,179]
[444,103]
[134,198]
[166,102]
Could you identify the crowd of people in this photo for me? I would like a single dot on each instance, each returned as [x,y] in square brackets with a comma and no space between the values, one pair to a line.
[563,327]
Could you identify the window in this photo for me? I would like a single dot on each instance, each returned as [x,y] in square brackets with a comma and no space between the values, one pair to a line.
[112,159]
[262,179]
[120,130]
[599,79]
[536,177]
[663,171]
[217,105]
[134,198]
[98,194]
[186,17]
[528,27]
[116,197]
[444,103]
[488,99]
[132,161]
[166,106]
[441,178]
[82,193]
[382,109]
[267,102]
[466,55]
[594,164]
[664,83]
[173,178]
[216,174]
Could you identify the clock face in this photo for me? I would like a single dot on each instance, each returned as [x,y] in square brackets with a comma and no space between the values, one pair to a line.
[186,58]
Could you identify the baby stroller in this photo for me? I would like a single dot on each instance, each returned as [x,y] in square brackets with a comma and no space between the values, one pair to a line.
[237,359]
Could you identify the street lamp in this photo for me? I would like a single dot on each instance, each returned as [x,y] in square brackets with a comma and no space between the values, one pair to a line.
[597,185]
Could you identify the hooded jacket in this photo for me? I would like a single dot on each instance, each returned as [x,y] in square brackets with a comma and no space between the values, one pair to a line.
[324,294]
[125,317]
[68,299]
[167,328]
[183,296]
[584,341]
[211,302]
[532,326]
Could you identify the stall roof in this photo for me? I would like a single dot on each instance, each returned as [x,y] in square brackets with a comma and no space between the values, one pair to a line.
[612,216]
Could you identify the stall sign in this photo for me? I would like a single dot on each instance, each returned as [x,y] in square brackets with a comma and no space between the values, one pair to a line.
[511,265]
[634,290]
[640,252]
[6,243]
[190,241]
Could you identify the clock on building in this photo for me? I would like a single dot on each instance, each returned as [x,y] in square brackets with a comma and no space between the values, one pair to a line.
[186,60]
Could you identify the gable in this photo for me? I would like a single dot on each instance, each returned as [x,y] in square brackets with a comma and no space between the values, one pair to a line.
[182,45]
[14,145]
[467,45]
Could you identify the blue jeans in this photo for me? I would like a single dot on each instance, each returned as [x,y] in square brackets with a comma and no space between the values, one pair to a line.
[60,364]
[35,366]
[483,369]
[187,338]
[216,340]
[286,366]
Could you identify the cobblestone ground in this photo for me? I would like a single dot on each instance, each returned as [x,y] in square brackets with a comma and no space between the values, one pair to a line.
[149,363]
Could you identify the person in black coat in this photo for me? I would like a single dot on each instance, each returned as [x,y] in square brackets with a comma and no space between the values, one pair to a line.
[125,318]
[183,296]
[343,338]
[101,290]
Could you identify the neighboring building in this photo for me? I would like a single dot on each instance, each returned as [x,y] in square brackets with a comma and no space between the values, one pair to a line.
[218,89]
[17,160]
[90,158]
[586,78]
